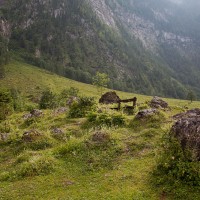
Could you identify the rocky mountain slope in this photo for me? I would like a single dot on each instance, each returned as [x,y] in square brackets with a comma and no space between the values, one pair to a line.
[148,46]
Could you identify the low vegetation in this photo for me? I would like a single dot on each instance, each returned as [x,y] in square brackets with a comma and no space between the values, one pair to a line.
[75,148]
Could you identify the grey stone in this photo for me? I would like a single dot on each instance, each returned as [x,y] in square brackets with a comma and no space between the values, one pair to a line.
[187,131]
[157,102]
[4,137]
[145,113]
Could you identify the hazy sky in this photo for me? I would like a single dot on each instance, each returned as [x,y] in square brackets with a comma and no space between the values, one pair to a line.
[177,1]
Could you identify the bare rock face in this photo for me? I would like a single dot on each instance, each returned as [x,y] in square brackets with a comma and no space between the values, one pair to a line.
[157,102]
[109,98]
[104,12]
[145,113]
[187,131]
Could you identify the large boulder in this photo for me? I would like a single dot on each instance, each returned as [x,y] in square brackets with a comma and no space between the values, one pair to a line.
[187,131]
[157,102]
[146,113]
[189,114]
[109,98]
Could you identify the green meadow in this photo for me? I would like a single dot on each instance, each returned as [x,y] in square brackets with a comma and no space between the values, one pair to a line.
[87,161]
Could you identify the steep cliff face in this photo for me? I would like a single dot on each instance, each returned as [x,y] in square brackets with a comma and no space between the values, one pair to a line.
[148,46]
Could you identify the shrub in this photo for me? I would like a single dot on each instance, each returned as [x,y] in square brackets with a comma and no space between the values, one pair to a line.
[143,106]
[6,104]
[129,110]
[175,165]
[18,101]
[22,158]
[30,106]
[118,120]
[66,94]
[98,151]
[72,146]
[48,100]
[105,119]
[40,145]
[72,91]
[35,140]
[27,166]
[36,166]
[82,107]
[151,121]
[5,176]
[28,122]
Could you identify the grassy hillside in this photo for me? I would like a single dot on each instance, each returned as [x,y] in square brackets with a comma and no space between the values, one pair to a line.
[77,165]
[33,80]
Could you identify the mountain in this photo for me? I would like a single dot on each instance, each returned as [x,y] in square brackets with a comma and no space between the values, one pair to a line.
[146,46]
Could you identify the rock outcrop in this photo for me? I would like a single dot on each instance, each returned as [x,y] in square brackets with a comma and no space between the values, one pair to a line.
[189,114]
[187,131]
[146,113]
[157,102]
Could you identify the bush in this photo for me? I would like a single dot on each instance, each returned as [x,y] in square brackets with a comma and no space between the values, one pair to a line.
[18,101]
[151,121]
[98,151]
[6,104]
[175,165]
[66,94]
[5,176]
[82,107]
[48,100]
[30,106]
[30,121]
[36,166]
[35,140]
[105,119]
[22,158]
[73,146]
[27,166]
[72,91]
[129,110]
[143,106]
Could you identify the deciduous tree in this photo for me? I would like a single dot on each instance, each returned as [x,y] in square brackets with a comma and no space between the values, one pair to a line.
[101,81]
